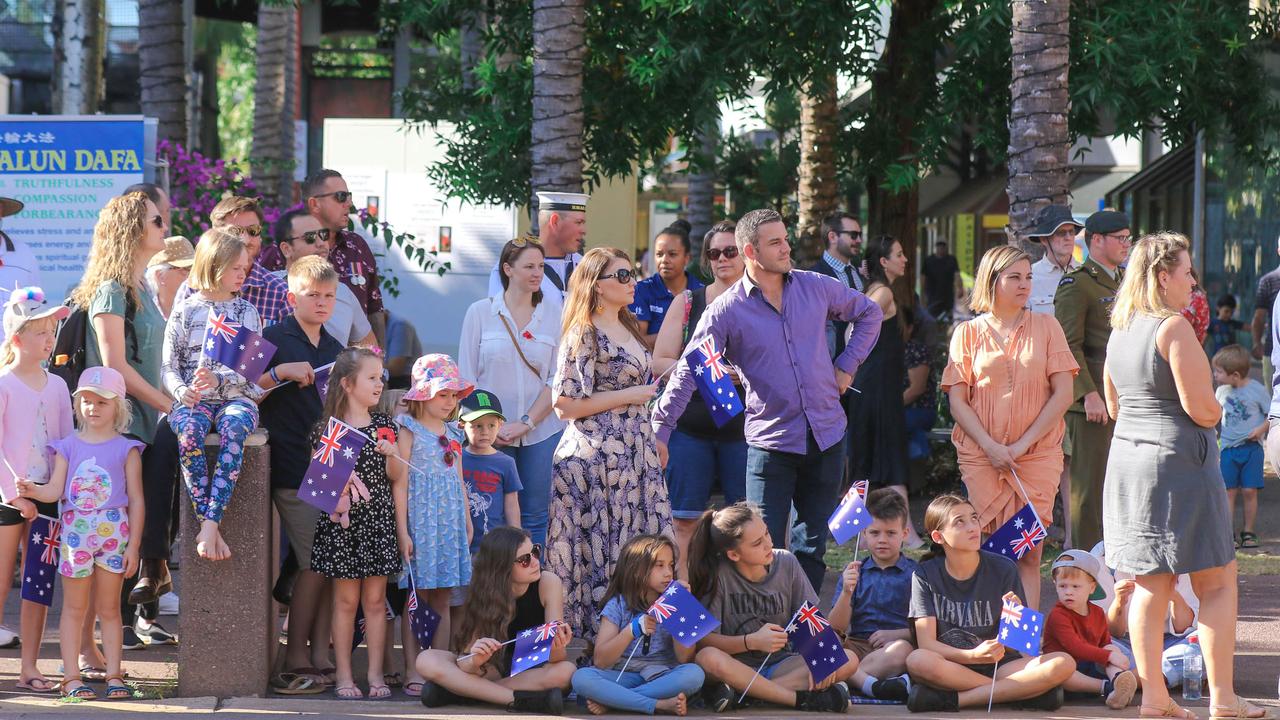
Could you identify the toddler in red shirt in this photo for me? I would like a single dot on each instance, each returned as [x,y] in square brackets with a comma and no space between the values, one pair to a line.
[1079,628]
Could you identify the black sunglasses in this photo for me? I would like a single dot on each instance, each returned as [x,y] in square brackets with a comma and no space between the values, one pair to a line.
[624,276]
[311,237]
[729,253]
[853,234]
[339,195]
[527,559]
[254,230]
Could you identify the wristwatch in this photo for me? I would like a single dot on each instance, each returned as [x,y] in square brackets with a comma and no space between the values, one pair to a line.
[525,419]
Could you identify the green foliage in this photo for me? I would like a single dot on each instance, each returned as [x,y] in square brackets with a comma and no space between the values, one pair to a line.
[236,75]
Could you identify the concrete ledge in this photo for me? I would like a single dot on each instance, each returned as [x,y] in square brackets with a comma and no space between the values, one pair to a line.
[227,611]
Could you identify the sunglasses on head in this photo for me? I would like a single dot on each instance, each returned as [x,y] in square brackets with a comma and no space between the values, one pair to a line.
[311,237]
[339,195]
[527,559]
[158,221]
[623,276]
[729,253]
[254,230]
[526,241]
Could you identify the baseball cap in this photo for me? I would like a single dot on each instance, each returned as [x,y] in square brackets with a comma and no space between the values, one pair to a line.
[1087,562]
[480,403]
[1050,218]
[104,381]
[177,252]
[1104,222]
[28,303]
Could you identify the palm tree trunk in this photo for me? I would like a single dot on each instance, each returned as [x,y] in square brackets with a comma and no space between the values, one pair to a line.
[558,51]
[702,183]
[79,30]
[817,190]
[161,58]
[272,157]
[1039,141]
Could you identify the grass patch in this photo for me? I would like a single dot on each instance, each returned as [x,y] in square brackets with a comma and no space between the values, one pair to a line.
[159,690]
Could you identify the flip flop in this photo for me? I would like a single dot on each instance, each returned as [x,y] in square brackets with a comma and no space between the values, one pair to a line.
[80,694]
[413,689]
[379,692]
[392,679]
[349,689]
[287,683]
[30,686]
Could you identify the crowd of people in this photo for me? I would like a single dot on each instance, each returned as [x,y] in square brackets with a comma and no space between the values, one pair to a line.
[560,471]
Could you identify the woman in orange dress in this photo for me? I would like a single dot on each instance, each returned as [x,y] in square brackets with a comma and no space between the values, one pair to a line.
[1009,382]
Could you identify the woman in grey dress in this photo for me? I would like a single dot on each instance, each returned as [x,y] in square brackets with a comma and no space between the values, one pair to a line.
[1164,503]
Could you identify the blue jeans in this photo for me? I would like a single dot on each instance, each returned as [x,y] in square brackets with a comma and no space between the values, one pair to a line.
[631,692]
[809,482]
[1170,658]
[534,463]
[695,466]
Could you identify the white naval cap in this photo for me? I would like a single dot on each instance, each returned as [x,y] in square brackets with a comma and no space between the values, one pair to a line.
[562,201]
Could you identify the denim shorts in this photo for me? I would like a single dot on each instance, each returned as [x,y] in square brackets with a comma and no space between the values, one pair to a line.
[696,465]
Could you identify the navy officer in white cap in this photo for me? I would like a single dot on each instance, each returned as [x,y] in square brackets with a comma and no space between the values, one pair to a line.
[562,224]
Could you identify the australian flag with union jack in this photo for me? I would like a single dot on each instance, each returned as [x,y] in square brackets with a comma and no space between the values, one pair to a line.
[1023,532]
[236,346]
[331,465]
[533,647]
[813,637]
[1021,628]
[680,613]
[40,563]
[714,383]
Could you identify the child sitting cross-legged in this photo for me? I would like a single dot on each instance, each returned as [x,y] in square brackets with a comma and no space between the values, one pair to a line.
[1079,628]
[872,598]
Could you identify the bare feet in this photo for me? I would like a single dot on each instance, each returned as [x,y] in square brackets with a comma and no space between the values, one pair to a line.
[209,542]
[596,708]
[677,705]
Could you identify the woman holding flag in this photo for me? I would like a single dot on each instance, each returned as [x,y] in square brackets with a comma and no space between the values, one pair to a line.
[702,451]
[1009,382]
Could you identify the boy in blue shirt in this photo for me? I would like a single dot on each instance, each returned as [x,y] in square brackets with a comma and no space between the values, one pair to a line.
[1245,404]
[491,476]
[872,600]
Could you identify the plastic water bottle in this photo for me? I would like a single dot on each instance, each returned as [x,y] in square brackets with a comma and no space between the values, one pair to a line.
[1192,669]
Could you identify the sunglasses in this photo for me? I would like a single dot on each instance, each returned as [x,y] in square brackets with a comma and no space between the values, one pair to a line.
[526,241]
[450,447]
[254,230]
[623,276]
[527,559]
[339,195]
[729,253]
[853,234]
[158,221]
[311,237]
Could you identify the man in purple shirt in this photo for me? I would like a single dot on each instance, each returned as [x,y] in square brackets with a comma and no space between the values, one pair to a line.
[772,326]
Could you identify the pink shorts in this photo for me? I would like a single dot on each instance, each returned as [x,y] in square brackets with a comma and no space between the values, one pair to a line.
[93,537]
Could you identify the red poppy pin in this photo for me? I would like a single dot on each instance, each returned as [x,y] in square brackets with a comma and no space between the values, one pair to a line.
[385,433]
[527,335]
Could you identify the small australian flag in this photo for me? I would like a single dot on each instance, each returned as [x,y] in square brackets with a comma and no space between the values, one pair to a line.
[1014,538]
[712,378]
[40,563]
[322,380]
[533,647]
[680,614]
[815,640]
[237,347]
[331,465]
[851,517]
[422,618]
[1021,628]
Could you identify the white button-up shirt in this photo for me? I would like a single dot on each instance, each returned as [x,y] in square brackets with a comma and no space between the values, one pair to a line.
[1045,276]
[487,357]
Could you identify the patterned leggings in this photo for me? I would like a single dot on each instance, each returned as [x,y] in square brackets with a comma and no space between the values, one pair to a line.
[234,421]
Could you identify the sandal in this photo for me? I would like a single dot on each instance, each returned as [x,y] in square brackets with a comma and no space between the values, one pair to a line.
[379,692]
[413,688]
[1170,710]
[79,694]
[38,685]
[118,690]
[348,692]
[1242,709]
[1248,540]
[296,683]
[392,679]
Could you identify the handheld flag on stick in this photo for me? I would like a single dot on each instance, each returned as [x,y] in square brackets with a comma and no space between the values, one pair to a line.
[1021,629]
[422,618]
[813,637]
[533,647]
[40,562]
[851,517]
[680,613]
[1023,532]
[332,463]
[711,375]
[237,347]
[766,659]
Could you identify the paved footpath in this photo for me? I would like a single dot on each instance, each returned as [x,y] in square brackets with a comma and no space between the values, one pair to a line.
[154,670]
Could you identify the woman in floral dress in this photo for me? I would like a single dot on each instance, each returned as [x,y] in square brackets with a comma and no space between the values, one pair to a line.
[607,483]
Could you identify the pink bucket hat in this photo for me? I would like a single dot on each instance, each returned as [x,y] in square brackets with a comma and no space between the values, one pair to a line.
[102,381]
[433,373]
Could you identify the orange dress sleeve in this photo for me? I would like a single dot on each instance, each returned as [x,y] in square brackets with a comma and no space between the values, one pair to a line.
[959,369]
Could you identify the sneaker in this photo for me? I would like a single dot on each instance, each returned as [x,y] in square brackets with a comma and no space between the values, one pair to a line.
[131,640]
[539,702]
[894,688]
[169,604]
[154,634]
[923,698]
[718,696]
[1120,690]
[1050,701]
[8,638]
[834,699]
[435,695]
